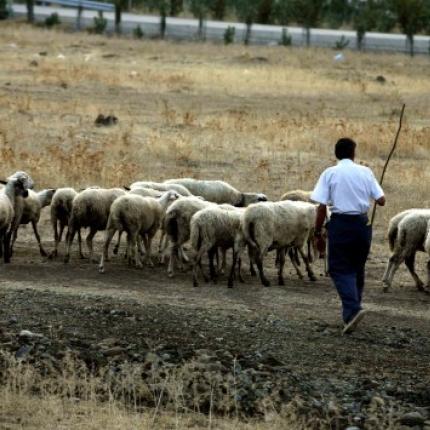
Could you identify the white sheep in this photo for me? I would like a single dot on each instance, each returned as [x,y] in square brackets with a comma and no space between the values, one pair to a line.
[139,217]
[32,208]
[177,226]
[218,192]
[61,209]
[278,225]
[28,184]
[407,233]
[297,196]
[16,187]
[90,208]
[183,191]
[212,228]
[427,250]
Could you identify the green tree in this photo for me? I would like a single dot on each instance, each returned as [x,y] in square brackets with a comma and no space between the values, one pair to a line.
[120,5]
[200,9]
[4,9]
[30,10]
[364,16]
[164,8]
[218,8]
[283,11]
[265,11]
[411,16]
[308,13]
[246,11]
[338,12]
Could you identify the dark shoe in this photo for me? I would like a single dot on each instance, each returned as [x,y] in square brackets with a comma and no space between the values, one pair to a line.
[352,325]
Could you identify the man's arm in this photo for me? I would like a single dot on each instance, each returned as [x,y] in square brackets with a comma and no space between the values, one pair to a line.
[321,217]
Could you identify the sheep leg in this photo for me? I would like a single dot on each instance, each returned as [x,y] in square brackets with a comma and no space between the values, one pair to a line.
[108,238]
[427,289]
[281,264]
[212,272]
[311,274]
[224,262]
[410,264]
[294,260]
[170,267]
[197,265]
[89,241]
[148,245]
[70,235]
[251,256]
[81,255]
[7,248]
[259,258]
[1,243]
[116,247]
[57,238]
[36,233]
[393,264]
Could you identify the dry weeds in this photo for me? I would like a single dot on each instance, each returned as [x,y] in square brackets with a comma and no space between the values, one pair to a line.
[262,118]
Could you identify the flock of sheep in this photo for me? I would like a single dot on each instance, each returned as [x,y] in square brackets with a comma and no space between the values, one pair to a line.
[212,216]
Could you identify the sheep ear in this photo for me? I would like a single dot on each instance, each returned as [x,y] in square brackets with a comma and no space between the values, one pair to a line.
[126,188]
[2,181]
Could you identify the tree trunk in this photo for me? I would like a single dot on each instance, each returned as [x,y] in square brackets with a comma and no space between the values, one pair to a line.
[163,23]
[360,40]
[308,36]
[411,44]
[30,11]
[247,32]
[201,36]
[118,11]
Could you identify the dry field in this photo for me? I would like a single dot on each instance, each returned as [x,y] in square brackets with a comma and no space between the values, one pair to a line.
[264,119]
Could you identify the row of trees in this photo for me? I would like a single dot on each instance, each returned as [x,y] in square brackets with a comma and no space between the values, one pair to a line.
[410,16]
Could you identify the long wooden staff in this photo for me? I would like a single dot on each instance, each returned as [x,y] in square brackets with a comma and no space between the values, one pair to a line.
[388,160]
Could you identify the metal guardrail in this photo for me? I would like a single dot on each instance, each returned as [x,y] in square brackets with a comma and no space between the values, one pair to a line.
[80,5]
[83,4]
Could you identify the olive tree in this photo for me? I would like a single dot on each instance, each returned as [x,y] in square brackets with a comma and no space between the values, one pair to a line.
[411,16]
[246,11]
[200,9]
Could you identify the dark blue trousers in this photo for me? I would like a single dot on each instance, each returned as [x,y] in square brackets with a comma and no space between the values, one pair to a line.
[349,240]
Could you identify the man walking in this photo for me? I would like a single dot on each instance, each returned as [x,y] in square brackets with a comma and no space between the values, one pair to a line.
[348,188]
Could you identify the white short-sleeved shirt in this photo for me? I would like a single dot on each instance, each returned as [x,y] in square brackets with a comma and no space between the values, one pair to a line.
[347,187]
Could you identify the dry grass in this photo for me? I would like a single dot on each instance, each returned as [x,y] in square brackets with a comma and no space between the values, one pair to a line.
[262,118]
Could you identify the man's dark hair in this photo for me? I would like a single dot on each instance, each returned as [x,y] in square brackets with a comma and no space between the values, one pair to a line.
[345,148]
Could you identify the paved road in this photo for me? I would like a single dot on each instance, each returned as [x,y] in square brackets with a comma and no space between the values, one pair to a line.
[181,28]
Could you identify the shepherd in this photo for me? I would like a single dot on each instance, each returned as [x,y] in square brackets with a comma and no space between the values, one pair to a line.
[348,188]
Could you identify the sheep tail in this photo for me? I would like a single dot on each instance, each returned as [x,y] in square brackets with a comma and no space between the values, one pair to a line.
[249,233]
[392,236]
[196,237]
[171,226]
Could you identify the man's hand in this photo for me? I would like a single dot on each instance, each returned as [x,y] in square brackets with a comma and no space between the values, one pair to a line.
[381,201]
[320,245]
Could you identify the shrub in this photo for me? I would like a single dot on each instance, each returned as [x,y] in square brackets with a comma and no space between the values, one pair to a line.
[4,9]
[342,43]
[52,20]
[285,38]
[138,32]
[100,24]
[229,35]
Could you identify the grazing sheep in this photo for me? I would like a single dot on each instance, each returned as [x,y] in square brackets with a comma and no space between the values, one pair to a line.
[297,196]
[33,205]
[138,216]
[61,209]
[16,187]
[427,249]
[161,187]
[177,226]
[218,192]
[407,233]
[90,208]
[278,225]
[28,184]
[212,228]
